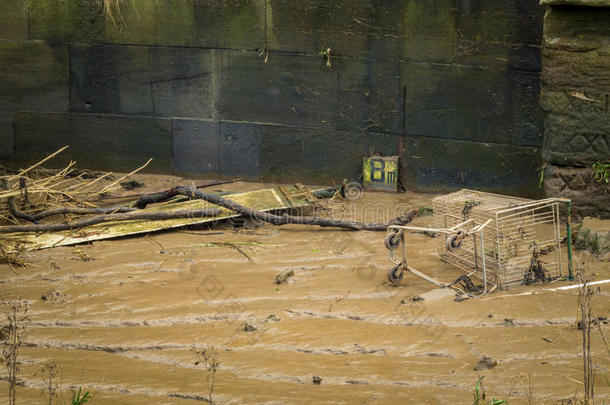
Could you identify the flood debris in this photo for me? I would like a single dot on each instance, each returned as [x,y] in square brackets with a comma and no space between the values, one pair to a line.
[63,209]
[283,277]
[131,185]
[485,363]
[249,327]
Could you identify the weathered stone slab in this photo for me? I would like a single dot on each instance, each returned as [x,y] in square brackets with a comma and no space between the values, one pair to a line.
[110,79]
[33,76]
[67,20]
[430,30]
[6,136]
[442,165]
[232,24]
[369,97]
[523,57]
[312,25]
[472,104]
[196,146]
[504,21]
[182,80]
[577,140]
[121,143]
[576,28]
[13,19]
[589,197]
[582,71]
[289,89]
[380,30]
[318,155]
[240,145]
[37,135]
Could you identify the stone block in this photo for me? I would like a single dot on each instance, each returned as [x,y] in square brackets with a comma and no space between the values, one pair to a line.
[472,104]
[240,146]
[441,165]
[110,79]
[13,19]
[182,80]
[576,28]
[227,24]
[33,76]
[6,136]
[495,55]
[503,21]
[37,135]
[67,20]
[312,25]
[576,139]
[290,89]
[370,96]
[319,156]
[417,30]
[582,71]
[589,198]
[121,143]
[196,146]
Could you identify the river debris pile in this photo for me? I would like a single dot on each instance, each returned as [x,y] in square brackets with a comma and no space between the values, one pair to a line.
[45,208]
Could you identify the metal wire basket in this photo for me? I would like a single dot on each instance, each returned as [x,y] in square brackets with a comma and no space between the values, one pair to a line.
[513,240]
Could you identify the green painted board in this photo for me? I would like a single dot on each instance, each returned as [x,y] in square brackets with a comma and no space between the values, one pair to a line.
[380,173]
[263,200]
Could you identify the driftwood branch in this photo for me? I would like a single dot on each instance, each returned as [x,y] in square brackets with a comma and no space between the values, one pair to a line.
[289,219]
[166,195]
[127,216]
[65,210]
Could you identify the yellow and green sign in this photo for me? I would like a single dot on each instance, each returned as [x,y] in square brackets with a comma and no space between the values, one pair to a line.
[380,173]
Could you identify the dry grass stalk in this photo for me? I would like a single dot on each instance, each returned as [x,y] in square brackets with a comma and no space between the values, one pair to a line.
[48,372]
[12,335]
[38,189]
[112,11]
[586,321]
[208,356]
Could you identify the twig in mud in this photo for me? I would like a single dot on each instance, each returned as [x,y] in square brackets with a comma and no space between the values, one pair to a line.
[337,300]
[148,238]
[289,219]
[208,356]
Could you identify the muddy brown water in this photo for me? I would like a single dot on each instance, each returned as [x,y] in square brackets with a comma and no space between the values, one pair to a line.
[123,323]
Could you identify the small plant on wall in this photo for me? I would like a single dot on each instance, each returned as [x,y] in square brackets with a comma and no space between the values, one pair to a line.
[326,54]
[601,173]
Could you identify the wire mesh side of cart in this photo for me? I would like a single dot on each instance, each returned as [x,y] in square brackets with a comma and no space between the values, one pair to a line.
[521,243]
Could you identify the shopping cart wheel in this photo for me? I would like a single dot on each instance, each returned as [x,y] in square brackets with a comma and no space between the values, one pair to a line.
[395,274]
[453,242]
[392,240]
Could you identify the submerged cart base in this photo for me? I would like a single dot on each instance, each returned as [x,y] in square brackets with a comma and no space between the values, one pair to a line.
[503,241]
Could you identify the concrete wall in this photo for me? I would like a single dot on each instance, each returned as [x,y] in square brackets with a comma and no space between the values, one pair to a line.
[575,99]
[452,86]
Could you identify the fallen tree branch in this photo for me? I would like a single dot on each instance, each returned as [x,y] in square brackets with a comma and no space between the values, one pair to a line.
[162,196]
[289,219]
[128,216]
